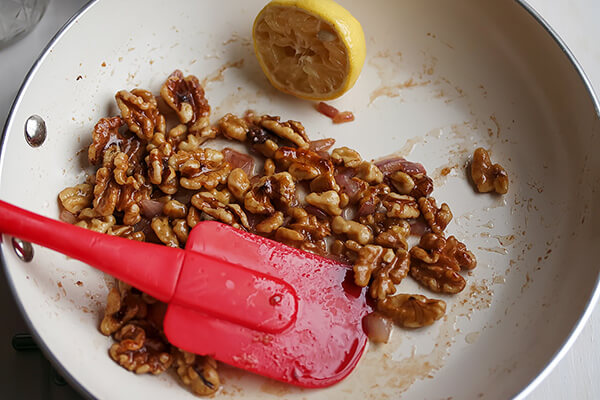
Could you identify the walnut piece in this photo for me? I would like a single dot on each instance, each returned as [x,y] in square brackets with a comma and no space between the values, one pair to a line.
[436,262]
[89,219]
[180,229]
[233,127]
[194,216]
[450,253]
[269,168]
[140,111]
[412,311]
[271,223]
[242,218]
[199,373]
[347,157]
[106,133]
[302,164]
[488,177]
[402,182]
[368,172]
[399,170]
[76,198]
[210,199]
[193,141]
[311,228]
[391,273]
[164,231]
[257,202]
[177,135]
[110,196]
[175,209]
[119,187]
[186,97]
[325,182]
[437,278]
[159,172]
[287,235]
[401,206]
[394,237]
[423,186]
[267,148]
[140,349]
[238,183]
[278,190]
[127,232]
[352,229]
[106,192]
[437,218]
[382,267]
[457,251]
[120,310]
[290,130]
[368,260]
[327,201]
[200,169]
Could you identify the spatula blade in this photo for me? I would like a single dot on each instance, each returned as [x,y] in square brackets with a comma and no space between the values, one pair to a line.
[319,349]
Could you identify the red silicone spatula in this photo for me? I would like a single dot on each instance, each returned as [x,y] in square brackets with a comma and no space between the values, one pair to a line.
[246,300]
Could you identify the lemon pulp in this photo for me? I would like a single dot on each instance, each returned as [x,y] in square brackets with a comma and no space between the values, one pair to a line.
[312,49]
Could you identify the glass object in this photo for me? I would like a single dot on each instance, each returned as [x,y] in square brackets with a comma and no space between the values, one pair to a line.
[17,17]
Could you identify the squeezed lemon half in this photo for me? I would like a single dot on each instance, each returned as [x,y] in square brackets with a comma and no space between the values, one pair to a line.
[312,49]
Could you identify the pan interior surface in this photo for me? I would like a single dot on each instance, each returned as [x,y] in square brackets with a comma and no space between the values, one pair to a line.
[440,79]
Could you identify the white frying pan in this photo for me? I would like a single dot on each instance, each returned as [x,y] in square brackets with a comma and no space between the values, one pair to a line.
[441,79]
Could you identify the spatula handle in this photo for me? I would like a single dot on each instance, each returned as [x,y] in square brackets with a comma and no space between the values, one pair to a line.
[151,268]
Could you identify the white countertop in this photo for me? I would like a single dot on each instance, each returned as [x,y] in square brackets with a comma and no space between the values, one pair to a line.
[577,376]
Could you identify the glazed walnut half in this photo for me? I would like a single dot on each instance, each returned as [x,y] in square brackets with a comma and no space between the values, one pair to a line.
[139,348]
[186,97]
[199,373]
[436,263]
[412,311]
[488,177]
[140,111]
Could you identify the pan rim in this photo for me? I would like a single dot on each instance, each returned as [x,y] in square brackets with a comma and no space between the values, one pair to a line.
[522,393]
[46,351]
